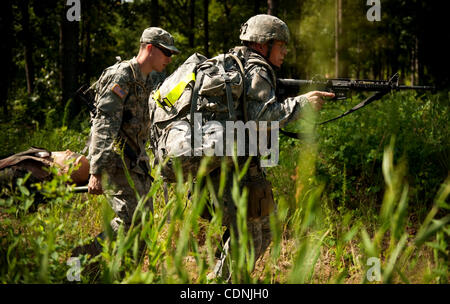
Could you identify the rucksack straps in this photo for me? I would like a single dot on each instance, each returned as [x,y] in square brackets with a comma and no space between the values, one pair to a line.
[174,94]
[230,102]
[194,102]
[244,91]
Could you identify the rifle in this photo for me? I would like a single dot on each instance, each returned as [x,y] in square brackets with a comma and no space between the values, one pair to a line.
[341,87]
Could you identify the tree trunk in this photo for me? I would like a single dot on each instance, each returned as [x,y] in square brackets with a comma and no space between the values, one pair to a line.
[26,37]
[227,11]
[191,31]
[297,70]
[206,26]
[414,63]
[6,27]
[69,63]
[154,13]
[271,7]
[419,65]
[86,36]
[338,31]
[256,6]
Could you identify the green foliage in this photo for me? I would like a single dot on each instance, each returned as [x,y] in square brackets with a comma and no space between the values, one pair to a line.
[17,137]
[371,185]
[35,246]
[367,49]
[335,211]
[362,184]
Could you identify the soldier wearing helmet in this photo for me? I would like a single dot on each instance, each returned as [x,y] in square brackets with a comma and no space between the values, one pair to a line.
[265,40]
[268,36]
[264,32]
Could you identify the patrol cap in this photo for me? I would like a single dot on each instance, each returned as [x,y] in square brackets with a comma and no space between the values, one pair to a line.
[160,37]
[263,28]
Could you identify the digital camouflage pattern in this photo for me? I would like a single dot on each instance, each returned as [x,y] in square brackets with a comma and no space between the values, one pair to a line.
[260,84]
[263,28]
[121,103]
[171,118]
[122,115]
[171,137]
[262,105]
[156,35]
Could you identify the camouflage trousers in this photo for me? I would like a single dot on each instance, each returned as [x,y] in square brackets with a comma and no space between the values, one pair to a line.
[123,198]
[258,226]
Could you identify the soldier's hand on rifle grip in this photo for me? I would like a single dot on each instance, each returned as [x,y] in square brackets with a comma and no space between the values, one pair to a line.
[95,184]
[316,98]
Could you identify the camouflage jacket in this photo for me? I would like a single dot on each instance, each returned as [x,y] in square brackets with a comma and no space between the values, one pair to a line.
[260,83]
[122,113]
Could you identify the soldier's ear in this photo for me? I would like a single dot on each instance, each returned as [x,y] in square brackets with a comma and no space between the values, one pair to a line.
[261,48]
[149,47]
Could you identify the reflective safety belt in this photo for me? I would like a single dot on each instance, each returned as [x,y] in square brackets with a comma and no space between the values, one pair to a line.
[174,94]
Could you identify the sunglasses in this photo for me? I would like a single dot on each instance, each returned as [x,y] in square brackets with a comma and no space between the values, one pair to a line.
[166,52]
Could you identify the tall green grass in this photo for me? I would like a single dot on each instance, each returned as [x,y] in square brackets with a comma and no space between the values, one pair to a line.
[329,224]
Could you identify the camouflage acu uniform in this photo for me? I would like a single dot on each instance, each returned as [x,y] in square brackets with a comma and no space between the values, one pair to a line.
[122,116]
[262,105]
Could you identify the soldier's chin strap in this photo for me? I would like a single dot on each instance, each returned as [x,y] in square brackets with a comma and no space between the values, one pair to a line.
[269,50]
[266,57]
[370,99]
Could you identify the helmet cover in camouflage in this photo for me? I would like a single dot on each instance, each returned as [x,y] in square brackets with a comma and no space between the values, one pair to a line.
[263,28]
[160,37]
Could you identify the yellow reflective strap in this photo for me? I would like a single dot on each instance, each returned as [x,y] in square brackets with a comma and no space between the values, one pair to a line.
[157,97]
[161,102]
[176,92]
[167,102]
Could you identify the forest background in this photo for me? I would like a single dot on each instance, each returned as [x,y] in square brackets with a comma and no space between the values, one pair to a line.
[375,184]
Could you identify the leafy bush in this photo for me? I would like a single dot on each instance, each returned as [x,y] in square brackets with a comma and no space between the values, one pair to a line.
[369,187]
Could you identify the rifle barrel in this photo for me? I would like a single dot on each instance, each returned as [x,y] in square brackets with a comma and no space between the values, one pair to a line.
[358,85]
[296,82]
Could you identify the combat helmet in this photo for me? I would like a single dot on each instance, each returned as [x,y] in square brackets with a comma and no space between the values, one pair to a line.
[264,28]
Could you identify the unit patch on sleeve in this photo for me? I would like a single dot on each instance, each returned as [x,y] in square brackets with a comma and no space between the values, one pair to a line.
[119,91]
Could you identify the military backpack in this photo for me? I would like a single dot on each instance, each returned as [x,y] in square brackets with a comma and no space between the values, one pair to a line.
[189,109]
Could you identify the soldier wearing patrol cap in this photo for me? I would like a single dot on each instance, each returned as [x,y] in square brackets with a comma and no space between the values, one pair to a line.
[265,40]
[122,122]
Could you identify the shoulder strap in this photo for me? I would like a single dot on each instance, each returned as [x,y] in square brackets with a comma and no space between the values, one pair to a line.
[263,63]
[244,91]
[194,101]
[230,102]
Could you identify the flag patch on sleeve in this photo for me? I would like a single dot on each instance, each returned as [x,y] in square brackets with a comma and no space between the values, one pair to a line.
[119,91]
